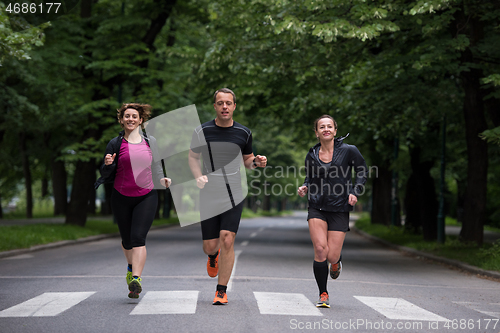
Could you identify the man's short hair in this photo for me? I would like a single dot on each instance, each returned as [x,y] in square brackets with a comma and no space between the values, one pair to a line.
[227,91]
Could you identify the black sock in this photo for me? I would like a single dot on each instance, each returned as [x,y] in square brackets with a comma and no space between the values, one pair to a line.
[213,256]
[320,270]
[135,277]
[221,288]
[130,267]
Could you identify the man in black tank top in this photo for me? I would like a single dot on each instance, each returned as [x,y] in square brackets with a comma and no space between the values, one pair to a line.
[221,143]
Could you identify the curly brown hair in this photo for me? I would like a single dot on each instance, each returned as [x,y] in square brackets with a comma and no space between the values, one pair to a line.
[143,109]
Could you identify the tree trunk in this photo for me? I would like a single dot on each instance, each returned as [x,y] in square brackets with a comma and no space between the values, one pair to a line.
[477,159]
[461,184]
[106,203]
[91,208]
[266,205]
[167,204]
[59,187]
[27,175]
[381,191]
[475,123]
[421,203]
[45,187]
[159,198]
[83,183]
[1,209]
[492,106]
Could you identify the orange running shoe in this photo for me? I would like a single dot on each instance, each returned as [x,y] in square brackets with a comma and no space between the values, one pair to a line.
[324,301]
[213,265]
[335,270]
[220,298]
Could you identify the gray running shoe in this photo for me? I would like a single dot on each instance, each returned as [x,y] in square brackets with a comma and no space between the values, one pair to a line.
[324,301]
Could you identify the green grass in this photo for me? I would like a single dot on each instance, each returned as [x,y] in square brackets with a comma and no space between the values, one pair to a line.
[25,236]
[41,208]
[454,222]
[485,257]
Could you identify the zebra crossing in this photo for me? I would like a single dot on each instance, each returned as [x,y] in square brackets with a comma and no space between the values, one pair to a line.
[51,304]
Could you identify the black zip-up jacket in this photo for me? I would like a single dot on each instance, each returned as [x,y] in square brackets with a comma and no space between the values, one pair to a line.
[108,172]
[329,184]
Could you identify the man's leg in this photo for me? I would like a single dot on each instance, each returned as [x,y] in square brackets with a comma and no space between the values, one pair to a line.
[230,222]
[226,260]
[210,230]
[211,246]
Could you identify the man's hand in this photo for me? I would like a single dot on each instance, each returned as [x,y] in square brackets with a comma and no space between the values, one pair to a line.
[201,181]
[302,191]
[108,159]
[352,199]
[260,161]
[166,182]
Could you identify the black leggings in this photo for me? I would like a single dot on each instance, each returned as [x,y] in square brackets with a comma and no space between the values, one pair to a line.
[134,216]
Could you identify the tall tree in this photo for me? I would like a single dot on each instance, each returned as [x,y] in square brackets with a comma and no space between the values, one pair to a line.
[103,71]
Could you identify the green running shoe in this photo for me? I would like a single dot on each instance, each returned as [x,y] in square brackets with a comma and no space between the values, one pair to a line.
[135,288]
[129,277]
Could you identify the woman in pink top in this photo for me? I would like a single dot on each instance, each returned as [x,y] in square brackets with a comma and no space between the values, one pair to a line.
[128,163]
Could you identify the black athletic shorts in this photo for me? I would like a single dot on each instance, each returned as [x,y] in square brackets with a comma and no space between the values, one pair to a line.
[337,221]
[229,220]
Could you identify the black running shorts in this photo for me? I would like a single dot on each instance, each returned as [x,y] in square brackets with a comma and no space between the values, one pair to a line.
[229,220]
[134,216]
[337,221]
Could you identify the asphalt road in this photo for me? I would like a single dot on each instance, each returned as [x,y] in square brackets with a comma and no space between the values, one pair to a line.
[81,288]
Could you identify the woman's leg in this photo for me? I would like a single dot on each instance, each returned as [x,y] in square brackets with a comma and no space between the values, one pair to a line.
[335,243]
[142,219]
[122,210]
[318,229]
[139,255]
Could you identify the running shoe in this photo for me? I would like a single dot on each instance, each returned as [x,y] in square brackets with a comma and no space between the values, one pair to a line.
[335,270]
[135,288]
[220,298]
[324,301]
[129,277]
[213,265]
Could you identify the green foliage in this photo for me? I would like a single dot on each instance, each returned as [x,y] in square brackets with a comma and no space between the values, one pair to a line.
[492,135]
[493,78]
[17,37]
[383,69]
[485,257]
[491,252]
[20,237]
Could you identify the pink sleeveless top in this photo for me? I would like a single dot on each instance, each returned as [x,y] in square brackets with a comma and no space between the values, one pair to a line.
[133,172]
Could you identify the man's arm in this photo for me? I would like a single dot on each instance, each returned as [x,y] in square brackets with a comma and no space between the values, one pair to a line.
[194,165]
[248,161]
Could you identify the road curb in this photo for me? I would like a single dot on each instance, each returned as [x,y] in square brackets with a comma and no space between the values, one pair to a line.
[416,253]
[53,245]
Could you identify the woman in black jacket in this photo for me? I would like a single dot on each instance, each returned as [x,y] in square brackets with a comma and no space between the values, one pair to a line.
[331,196]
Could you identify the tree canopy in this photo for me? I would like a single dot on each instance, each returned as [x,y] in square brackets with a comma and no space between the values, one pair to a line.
[390,72]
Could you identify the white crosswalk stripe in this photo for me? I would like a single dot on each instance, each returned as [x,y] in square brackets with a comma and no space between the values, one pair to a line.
[492,309]
[167,302]
[269,303]
[285,304]
[399,309]
[46,305]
